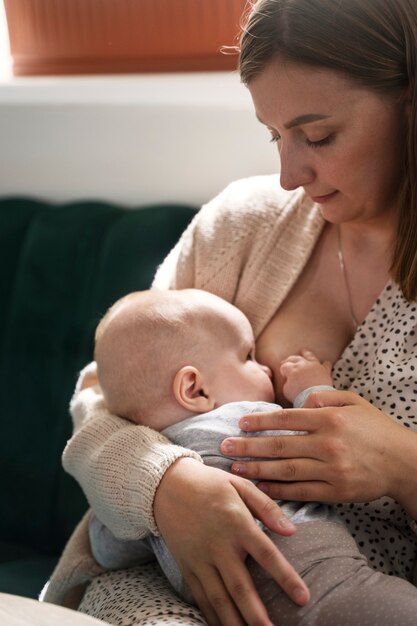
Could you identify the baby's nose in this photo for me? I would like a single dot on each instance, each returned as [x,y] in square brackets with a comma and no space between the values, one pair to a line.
[267,370]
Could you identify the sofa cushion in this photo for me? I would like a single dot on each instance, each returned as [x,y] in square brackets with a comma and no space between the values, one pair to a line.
[24,571]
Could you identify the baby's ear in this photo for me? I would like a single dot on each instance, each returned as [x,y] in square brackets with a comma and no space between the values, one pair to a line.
[190,390]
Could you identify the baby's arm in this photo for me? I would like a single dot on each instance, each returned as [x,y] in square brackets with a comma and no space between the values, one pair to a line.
[302,371]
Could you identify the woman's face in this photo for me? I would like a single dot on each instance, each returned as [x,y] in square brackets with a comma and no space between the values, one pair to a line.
[341,142]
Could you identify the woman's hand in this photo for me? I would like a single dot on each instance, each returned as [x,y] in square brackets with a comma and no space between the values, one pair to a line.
[350,452]
[204,516]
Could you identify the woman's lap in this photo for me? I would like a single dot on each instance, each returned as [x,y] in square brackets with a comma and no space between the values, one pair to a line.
[139,596]
[325,554]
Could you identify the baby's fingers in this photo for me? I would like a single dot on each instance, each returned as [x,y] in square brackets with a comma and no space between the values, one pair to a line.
[309,355]
[286,368]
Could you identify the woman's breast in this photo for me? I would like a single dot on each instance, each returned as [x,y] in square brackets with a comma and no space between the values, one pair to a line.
[319,329]
[314,316]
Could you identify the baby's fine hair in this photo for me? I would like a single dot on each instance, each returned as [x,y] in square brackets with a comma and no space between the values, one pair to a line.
[141,343]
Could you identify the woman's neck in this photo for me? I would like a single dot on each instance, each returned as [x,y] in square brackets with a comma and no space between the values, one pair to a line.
[365,257]
[369,240]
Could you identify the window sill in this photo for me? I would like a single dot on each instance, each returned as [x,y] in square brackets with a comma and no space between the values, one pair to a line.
[132,139]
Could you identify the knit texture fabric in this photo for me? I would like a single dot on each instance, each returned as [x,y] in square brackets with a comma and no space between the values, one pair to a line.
[248,246]
[119,462]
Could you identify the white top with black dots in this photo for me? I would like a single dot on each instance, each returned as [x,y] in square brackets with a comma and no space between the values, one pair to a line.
[381,365]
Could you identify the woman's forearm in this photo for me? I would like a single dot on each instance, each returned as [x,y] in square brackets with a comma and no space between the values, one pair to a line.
[119,466]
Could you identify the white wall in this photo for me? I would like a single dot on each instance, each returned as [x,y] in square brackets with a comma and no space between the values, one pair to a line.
[129,139]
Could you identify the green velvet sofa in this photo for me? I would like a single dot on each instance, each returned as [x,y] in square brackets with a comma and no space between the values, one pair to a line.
[61,267]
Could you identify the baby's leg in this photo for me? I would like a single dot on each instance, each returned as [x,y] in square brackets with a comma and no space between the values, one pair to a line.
[344,589]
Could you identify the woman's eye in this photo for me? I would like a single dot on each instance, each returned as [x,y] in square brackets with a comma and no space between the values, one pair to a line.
[320,143]
[311,144]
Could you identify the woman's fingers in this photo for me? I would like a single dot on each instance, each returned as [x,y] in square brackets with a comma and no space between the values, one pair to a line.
[272,560]
[309,491]
[349,451]
[327,398]
[214,600]
[241,588]
[285,470]
[200,598]
[280,419]
[262,507]
[294,479]
[220,596]
[301,419]
[206,517]
[272,447]
[261,548]
[225,586]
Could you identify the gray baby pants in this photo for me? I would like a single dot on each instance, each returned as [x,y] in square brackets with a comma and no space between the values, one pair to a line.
[345,591]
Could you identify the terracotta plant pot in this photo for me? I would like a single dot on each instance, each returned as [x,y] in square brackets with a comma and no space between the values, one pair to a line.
[106,36]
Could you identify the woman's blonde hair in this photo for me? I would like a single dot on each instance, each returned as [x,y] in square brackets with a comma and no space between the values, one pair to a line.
[374,42]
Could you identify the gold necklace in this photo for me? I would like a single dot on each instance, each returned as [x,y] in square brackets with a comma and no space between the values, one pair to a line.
[345,278]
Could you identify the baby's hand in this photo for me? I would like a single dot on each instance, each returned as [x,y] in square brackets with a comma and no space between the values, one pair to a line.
[303,371]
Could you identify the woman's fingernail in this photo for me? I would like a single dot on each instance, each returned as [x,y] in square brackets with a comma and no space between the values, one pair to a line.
[227,447]
[263,487]
[244,424]
[239,468]
[284,522]
[300,595]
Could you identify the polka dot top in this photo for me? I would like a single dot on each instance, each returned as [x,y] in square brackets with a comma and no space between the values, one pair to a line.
[380,364]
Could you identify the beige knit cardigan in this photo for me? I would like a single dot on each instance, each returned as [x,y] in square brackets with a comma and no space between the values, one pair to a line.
[248,245]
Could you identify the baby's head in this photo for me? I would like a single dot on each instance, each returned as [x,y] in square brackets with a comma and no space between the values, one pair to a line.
[165,355]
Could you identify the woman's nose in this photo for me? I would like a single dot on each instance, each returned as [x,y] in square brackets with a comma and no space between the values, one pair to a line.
[295,170]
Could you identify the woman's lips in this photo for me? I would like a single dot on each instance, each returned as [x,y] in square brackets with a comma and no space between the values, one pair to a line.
[325,198]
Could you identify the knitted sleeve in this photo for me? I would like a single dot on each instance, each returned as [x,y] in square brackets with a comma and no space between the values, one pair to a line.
[224,235]
[117,463]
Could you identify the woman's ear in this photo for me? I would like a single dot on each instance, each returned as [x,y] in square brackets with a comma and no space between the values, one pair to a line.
[191,392]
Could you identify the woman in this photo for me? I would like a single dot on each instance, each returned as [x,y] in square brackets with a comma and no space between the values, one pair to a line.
[330,263]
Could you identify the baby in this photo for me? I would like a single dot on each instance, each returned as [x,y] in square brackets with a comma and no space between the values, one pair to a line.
[163,356]
[183,363]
